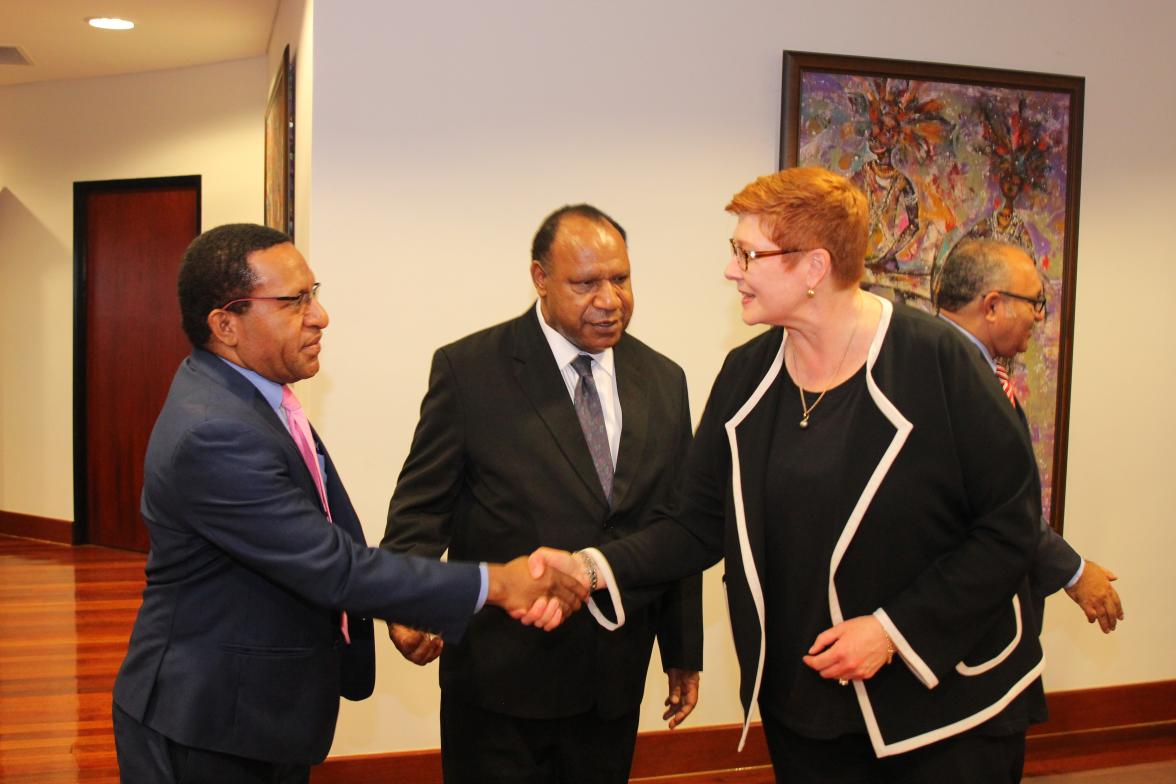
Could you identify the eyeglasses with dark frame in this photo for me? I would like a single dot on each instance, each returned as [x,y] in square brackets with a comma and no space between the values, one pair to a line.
[1037,302]
[745,257]
[300,300]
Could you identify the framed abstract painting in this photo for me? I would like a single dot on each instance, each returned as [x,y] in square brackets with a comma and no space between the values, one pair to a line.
[947,152]
[279,150]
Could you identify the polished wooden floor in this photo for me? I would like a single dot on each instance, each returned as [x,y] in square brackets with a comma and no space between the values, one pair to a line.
[1152,773]
[1161,772]
[65,617]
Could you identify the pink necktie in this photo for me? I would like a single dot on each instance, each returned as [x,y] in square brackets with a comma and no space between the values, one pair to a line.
[1005,384]
[300,429]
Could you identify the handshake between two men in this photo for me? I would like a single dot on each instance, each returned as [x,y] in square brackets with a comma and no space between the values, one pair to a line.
[544,590]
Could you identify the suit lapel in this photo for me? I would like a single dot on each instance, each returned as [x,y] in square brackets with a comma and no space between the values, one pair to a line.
[236,383]
[300,472]
[240,386]
[631,381]
[754,439]
[993,377]
[542,383]
[1021,416]
[749,447]
[342,512]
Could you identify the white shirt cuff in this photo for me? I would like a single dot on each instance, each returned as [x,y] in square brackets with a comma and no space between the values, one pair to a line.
[605,572]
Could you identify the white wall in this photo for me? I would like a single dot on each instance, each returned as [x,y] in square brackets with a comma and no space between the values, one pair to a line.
[444,132]
[206,120]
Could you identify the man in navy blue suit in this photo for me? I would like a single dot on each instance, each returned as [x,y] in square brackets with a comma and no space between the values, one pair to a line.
[260,590]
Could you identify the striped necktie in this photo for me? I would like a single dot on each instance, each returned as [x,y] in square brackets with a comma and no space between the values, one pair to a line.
[591,416]
[1002,375]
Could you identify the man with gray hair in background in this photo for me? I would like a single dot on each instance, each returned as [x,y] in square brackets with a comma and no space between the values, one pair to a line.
[991,291]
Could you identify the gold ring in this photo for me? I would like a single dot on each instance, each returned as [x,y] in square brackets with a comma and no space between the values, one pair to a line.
[842,682]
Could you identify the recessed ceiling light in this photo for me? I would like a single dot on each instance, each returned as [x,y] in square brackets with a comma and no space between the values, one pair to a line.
[110,23]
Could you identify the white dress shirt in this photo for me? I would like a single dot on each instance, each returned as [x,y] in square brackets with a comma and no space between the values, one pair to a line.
[604,373]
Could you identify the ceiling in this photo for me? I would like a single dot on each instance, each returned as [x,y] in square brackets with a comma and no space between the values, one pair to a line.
[53,34]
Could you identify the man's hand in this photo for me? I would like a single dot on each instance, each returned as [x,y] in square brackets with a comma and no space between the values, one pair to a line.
[1097,597]
[416,646]
[563,561]
[852,650]
[683,695]
[544,600]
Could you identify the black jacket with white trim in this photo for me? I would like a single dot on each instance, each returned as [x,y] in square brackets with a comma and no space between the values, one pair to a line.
[937,546]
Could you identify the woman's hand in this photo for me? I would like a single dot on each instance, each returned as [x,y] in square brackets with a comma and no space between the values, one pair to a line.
[852,650]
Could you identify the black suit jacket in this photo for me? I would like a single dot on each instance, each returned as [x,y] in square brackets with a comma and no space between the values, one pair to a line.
[937,546]
[499,466]
[236,647]
[1054,565]
[1056,561]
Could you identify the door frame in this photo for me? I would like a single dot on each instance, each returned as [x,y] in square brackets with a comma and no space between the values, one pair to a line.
[81,191]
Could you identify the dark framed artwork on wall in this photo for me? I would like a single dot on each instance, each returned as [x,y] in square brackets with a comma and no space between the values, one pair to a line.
[945,152]
[279,150]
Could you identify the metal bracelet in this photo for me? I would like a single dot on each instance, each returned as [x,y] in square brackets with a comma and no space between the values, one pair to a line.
[589,567]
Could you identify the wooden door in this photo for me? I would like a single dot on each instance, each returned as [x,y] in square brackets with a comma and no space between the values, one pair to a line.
[129,237]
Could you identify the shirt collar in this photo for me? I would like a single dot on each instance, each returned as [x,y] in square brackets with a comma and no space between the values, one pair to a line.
[975,341]
[565,351]
[270,390]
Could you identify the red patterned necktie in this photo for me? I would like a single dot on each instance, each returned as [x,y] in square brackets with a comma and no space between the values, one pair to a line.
[300,429]
[1003,376]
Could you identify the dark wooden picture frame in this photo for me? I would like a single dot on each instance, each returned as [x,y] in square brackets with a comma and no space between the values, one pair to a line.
[279,150]
[944,152]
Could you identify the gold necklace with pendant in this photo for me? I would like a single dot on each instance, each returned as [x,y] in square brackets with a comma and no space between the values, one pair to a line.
[804,406]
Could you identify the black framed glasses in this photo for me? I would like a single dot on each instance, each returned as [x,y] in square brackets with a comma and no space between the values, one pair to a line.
[1037,302]
[301,300]
[745,257]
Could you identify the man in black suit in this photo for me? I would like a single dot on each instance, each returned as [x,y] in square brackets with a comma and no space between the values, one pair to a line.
[991,291]
[516,447]
[260,589]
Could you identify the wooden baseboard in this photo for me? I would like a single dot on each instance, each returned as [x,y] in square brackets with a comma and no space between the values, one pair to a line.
[691,749]
[1088,728]
[27,526]
[657,754]
[1103,728]
[1082,710]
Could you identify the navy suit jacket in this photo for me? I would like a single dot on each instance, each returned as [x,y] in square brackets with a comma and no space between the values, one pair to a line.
[1054,564]
[236,647]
